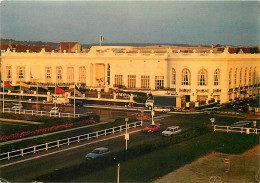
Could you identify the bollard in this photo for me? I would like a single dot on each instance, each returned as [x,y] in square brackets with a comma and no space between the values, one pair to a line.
[21,152]
[96,134]
[58,143]
[105,132]
[68,141]
[8,155]
[34,149]
[113,130]
[88,136]
[78,139]
[46,146]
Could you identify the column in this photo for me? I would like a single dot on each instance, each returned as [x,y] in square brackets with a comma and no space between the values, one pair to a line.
[105,79]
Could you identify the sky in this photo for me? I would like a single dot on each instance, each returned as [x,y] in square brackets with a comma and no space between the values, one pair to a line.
[172,22]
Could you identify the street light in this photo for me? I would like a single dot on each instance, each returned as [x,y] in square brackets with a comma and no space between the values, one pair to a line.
[126,134]
[212,120]
[142,114]
[152,113]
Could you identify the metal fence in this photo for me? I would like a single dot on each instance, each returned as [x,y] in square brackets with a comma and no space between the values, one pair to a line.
[43,113]
[231,129]
[67,141]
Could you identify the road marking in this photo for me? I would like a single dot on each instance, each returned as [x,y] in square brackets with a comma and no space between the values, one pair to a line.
[65,150]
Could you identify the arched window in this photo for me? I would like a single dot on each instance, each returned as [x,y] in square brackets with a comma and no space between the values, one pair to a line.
[173,76]
[186,77]
[245,77]
[230,76]
[254,76]
[250,76]
[240,76]
[217,77]
[235,77]
[202,77]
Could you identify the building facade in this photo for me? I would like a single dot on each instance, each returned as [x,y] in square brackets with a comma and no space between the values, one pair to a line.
[201,74]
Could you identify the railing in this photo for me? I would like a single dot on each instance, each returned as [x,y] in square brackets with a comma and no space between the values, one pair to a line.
[231,129]
[67,141]
[43,113]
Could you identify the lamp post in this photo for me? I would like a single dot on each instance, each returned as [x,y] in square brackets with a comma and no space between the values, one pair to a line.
[142,114]
[118,172]
[212,121]
[152,113]
[126,134]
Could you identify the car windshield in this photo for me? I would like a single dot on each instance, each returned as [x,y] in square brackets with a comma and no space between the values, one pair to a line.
[151,126]
[96,151]
[168,129]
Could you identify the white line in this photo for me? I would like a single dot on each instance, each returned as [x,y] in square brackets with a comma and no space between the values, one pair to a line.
[64,150]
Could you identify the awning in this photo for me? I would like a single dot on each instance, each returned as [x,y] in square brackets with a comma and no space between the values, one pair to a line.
[35,73]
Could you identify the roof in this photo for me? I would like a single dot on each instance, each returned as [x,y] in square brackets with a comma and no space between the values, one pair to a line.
[24,48]
[5,46]
[67,46]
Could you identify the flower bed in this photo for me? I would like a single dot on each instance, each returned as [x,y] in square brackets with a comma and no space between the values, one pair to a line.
[44,130]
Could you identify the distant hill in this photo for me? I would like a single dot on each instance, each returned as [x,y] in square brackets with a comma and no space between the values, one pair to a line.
[56,45]
[30,43]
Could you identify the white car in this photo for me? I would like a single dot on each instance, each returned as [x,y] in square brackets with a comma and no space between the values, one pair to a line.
[161,109]
[54,110]
[171,130]
[17,107]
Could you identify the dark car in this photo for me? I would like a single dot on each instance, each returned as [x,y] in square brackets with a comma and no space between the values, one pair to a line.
[98,152]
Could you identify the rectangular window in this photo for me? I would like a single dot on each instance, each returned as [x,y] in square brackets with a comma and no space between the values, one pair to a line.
[235,77]
[8,73]
[118,80]
[70,75]
[145,81]
[159,82]
[108,74]
[82,74]
[20,73]
[58,74]
[48,74]
[131,81]
[173,76]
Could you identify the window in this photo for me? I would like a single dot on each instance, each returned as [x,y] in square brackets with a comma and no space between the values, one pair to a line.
[240,76]
[254,76]
[202,77]
[216,77]
[118,80]
[82,74]
[108,74]
[131,81]
[145,81]
[173,76]
[48,74]
[186,77]
[20,71]
[70,75]
[230,77]
[159,82]
[250,76]
[235,77]
[8,73]
[245,77]
[59,74]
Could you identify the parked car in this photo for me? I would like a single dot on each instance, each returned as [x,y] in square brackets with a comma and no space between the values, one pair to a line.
[17,106]
[98,152]
[162,109]
[54,110]
[171,130]
[151,128]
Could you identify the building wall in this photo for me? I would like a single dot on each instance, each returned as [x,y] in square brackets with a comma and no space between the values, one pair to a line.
[132,66]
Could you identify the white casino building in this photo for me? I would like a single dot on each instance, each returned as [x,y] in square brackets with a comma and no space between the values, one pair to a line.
[199,73]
